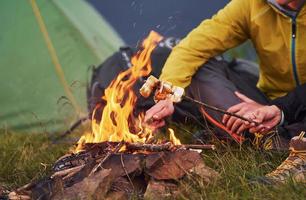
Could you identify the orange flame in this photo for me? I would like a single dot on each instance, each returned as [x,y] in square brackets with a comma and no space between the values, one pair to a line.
[117,117]
[174,139]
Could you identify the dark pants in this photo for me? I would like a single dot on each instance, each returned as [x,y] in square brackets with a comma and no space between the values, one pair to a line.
[216,82]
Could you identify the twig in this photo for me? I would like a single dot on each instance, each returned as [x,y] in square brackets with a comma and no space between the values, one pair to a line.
[67,171]
[167,147]
[125,171]
[72,128]
[118,147]
[149,147]
[199,146]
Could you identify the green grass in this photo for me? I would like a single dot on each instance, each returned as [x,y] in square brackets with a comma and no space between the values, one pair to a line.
[25,157]
[28,157]
[237,166]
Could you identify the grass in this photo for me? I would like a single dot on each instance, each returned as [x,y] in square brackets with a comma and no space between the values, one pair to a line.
[28,157]
[237,166]
[25,157]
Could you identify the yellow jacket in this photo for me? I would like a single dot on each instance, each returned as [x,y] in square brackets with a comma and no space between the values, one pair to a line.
[279,39]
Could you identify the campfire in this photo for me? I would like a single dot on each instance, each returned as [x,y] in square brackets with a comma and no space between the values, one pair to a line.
[120,157]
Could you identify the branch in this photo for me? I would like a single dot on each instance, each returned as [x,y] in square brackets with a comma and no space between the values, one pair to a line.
[167,147]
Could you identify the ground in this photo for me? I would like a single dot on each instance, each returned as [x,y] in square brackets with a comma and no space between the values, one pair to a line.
[28,157]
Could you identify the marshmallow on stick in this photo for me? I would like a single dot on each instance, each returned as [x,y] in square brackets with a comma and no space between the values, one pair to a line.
[163,90]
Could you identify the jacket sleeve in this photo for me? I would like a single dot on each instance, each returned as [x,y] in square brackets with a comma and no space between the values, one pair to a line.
[293,104]
[227,29]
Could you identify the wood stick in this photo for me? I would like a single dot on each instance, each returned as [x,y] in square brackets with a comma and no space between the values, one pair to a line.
[67,171]
[149,147]
[167,146]
[199,146]
[219,110]
[116,150]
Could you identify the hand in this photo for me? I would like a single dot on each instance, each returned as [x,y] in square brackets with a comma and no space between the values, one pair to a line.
[268,117]
[155,115]
[245,108]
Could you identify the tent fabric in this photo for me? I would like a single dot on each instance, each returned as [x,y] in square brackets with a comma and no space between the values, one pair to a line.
[30,91]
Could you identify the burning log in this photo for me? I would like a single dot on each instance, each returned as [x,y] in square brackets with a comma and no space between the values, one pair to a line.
[121,174]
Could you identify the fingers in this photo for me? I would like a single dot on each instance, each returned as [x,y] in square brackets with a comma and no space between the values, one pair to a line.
[150,113]
[266,116]
[154,116]
[233,123]
[243,109]
[237,125]
[243,98]
[232,109]
[164,105]
[157,124]
[259,116]
[167,110]
[257,129]
[242,128]
[236,107]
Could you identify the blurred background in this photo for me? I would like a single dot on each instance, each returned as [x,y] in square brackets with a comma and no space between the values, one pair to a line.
[83,33]
[133,18]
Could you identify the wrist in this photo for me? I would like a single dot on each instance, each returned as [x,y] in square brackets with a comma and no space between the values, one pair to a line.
[279,113]
[282,119]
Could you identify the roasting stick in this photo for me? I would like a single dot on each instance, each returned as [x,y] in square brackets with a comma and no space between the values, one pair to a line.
[214,109]
[164,89]
[218,109]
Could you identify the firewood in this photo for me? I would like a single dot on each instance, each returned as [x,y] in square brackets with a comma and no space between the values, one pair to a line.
[172,165]
[105,172]
[161,190]
[198,146]
[149,147]
[67,171]
[116,150]
[167,147]
[132,164]
[94,186]
[16,196]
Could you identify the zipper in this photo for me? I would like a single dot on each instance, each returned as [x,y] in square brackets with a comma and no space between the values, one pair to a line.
[293,51]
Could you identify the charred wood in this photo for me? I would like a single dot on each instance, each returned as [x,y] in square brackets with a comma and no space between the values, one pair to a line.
[167,147]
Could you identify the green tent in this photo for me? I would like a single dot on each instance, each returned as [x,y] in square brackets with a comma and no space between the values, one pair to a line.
[32,95]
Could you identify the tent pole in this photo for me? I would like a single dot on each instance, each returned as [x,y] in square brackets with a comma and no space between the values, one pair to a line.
[54,57]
